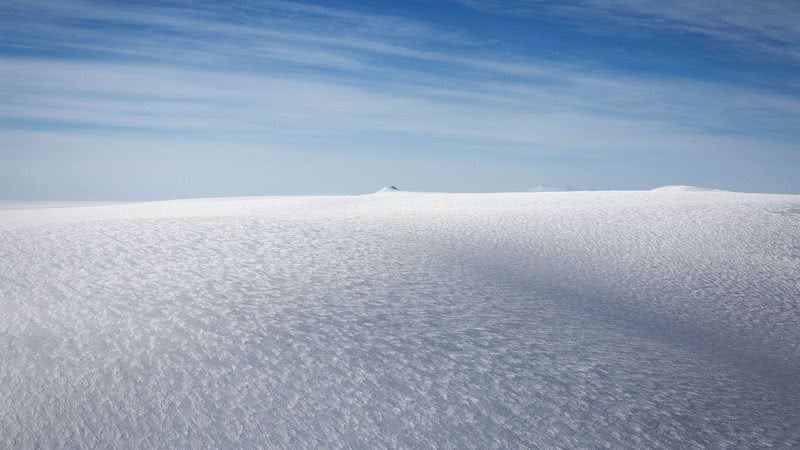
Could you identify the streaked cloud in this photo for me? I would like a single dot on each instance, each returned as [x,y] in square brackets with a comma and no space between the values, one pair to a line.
[771,25]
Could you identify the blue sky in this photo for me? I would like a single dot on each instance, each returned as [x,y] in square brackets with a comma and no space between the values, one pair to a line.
[153,100]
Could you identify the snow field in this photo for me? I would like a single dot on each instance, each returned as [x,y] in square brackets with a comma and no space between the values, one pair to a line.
[567,319]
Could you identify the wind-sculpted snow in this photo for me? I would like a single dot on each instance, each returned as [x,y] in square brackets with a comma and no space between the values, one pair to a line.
[580,319]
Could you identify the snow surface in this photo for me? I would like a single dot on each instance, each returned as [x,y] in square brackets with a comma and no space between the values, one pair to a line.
[581,319]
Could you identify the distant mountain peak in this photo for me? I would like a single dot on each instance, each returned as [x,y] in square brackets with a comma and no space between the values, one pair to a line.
[389,189]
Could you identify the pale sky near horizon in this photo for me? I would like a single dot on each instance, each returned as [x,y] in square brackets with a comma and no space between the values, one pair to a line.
[165,99]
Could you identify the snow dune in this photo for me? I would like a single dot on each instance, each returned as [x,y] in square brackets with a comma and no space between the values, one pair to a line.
[581,319]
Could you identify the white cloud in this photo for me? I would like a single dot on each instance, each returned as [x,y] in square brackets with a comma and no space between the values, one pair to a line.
[583,113]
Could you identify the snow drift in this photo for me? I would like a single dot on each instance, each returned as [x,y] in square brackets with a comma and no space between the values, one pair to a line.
[583,319]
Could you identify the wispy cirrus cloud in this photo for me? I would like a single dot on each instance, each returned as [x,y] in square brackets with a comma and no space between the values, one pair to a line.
[771,25]
[233,67]
[581,112]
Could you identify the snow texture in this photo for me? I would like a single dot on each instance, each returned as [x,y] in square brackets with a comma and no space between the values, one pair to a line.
[581,319]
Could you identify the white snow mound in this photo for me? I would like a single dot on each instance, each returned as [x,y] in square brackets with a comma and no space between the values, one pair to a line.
[519,320]
[681,188]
